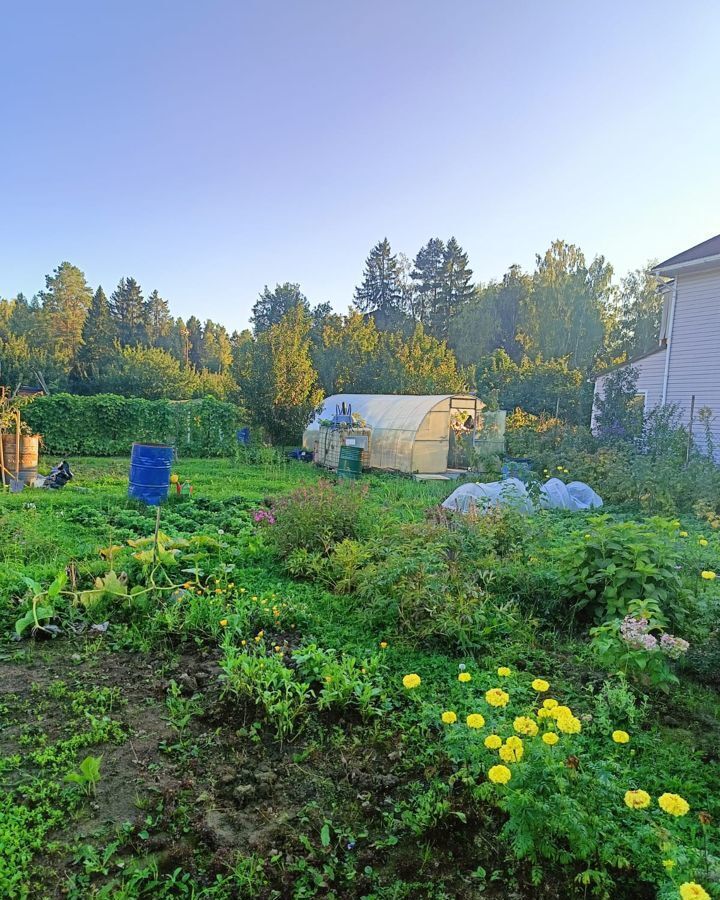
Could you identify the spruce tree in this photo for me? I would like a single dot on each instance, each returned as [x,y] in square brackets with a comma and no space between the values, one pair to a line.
[98,336]
[456,290]
[128,311]
[195,341]
[428,277]
[158,321]
[271,306]
[380,290]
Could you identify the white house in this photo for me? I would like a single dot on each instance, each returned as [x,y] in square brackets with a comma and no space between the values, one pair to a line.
[686,364]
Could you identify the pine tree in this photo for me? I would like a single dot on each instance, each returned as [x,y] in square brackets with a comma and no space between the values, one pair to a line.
[271,306]
[380,290]
[65,301]
[158,321]
[99,336]
[428,278]
[128,309]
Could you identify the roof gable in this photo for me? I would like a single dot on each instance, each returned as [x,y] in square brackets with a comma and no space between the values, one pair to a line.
[706,250]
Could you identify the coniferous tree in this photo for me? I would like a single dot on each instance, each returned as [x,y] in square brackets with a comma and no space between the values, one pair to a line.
[99,336]
[158,321]
[428,277]
[25,317]
[271,306]
[128,309]
[195,338]
[456,288]
[65,303]
[178,342]
[380,290]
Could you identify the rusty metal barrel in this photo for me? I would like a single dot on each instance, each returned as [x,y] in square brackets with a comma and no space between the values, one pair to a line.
[29,451]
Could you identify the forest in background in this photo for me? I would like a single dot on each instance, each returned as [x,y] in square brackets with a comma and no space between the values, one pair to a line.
[529,339]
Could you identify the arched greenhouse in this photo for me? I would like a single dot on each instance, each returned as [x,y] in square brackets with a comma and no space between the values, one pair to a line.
[398,432]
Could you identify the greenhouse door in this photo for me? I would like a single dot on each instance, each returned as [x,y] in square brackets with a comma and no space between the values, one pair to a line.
[458,456]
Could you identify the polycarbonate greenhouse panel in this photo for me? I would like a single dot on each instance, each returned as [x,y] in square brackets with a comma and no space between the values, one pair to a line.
[409,431]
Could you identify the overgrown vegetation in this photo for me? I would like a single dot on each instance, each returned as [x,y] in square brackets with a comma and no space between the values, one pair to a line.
[305,689]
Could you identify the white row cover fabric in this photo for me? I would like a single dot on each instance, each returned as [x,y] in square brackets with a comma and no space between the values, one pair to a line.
[554,494]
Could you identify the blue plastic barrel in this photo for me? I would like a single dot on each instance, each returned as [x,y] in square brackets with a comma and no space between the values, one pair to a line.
[150,472]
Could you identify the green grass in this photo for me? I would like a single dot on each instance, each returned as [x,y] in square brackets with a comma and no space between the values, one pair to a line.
[281,777]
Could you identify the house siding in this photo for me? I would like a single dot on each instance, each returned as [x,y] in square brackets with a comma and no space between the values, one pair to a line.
[650,369]
[695,347]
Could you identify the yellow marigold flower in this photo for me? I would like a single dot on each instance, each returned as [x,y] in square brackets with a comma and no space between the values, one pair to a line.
[558,711]
[637,799]
[540,685]
[569,724]
[383,645]
[525,725]
[703,542]
[691,890]
[514,741]
[449,717]
[620,737]
[559,468]
[475,720]
[504,672]
[497,697]
[243,643]
[278,648]
[708,576]
[550,738]
[499,774]
[223,622]
[683,534]
[464,676]
[509,753]
[673,804]
[543,713]
[669,864]
[550,703]
[411,681]
[493,741]
[174,479]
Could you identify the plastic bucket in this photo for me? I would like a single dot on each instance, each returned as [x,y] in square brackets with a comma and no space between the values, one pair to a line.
[350,462]
[150,472]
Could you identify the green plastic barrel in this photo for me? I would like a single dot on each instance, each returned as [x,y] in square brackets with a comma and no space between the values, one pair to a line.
[350,463]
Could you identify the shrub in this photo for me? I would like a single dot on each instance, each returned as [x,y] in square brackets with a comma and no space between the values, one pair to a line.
[613,563]
[107,424]
[317,517]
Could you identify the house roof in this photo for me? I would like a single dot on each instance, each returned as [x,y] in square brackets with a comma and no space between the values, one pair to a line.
[704,252]
[628,362]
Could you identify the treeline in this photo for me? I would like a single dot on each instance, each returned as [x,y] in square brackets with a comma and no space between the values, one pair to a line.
[420,326]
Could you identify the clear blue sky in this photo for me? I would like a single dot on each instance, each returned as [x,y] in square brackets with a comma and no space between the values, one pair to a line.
[208,148]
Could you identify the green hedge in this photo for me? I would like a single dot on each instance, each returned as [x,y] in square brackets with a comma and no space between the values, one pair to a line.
[107,424]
